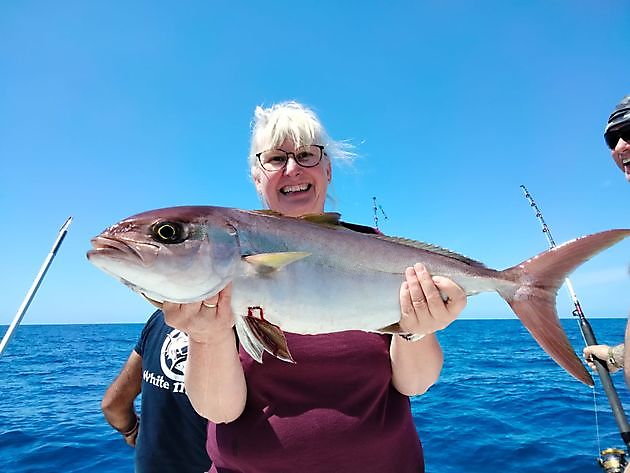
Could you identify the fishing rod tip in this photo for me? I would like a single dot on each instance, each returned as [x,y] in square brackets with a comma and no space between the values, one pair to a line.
[66,224]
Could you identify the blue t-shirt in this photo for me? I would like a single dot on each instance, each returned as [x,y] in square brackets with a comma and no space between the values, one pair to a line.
[172,436]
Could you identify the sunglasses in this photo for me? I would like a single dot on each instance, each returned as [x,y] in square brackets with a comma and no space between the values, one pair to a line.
[612,137]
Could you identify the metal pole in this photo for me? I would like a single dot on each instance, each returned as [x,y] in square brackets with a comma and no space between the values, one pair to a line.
[38,279]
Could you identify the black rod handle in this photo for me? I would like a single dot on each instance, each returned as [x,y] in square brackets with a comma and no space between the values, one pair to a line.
[607,384]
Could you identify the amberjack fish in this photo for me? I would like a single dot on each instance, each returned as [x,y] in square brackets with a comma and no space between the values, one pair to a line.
[313,274]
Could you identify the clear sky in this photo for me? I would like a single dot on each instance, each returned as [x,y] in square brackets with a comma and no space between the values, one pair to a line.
[112,108]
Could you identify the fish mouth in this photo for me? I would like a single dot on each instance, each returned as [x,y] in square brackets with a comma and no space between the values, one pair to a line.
[121,250]
[288,190]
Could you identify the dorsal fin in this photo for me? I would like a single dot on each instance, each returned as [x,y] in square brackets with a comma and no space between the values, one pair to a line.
[267,212]
[333,219]
[326,218]
[433,248]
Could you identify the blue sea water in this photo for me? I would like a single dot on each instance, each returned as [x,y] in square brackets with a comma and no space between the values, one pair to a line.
[501,404]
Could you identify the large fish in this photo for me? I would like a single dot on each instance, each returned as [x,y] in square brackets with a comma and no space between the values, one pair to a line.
[314,275]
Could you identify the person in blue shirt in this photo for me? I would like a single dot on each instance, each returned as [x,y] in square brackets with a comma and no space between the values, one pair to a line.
[171,436]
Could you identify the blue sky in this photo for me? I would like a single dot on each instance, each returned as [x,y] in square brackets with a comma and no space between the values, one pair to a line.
[110,108]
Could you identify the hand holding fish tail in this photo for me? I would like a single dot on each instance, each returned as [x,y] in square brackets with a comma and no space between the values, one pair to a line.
[215,382]
[416,365]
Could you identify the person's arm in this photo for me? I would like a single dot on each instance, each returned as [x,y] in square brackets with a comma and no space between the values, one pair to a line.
[416,365]
[215,381]
[613,356]
[117,403]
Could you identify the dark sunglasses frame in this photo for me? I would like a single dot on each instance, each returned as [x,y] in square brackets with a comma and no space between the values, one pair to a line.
[612,137]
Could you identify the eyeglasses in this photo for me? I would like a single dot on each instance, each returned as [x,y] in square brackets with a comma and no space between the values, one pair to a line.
[612,137]
[307,156]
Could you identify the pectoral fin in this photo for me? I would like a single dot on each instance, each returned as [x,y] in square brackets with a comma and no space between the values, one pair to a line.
[257,335]
[395,329]
[266,262]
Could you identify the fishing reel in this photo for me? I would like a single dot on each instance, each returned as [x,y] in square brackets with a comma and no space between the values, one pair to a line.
[612,460]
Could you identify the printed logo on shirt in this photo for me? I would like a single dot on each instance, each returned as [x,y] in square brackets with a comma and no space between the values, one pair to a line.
[174,354]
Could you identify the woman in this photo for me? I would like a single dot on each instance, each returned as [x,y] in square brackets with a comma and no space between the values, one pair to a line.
[344,405]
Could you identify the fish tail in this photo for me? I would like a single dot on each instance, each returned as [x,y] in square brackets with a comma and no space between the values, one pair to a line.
[533,297]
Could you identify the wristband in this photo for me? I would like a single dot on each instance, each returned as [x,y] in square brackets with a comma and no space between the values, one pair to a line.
[615,356]
[133,430]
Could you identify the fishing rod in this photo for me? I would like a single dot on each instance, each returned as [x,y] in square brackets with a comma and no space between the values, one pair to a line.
[612,460]
[38,279]
[376,207]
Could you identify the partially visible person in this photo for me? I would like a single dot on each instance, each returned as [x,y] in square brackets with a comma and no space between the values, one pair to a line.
[617,136]
[171,437]
[344,405]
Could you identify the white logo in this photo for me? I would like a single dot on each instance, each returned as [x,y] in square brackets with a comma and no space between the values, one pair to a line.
[174,354]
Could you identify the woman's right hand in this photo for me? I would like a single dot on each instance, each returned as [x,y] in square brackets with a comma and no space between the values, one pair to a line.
[215,381]
[204,322]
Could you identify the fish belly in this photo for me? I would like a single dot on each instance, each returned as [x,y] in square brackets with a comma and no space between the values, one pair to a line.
[306,299]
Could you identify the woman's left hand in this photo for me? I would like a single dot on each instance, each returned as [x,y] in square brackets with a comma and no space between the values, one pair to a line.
[423,311]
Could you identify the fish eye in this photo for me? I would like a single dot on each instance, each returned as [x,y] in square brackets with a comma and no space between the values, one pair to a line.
[168,232]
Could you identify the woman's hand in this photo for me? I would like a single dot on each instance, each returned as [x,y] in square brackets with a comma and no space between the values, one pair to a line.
[204,322]
[416,365]
[215,381]
[423,311]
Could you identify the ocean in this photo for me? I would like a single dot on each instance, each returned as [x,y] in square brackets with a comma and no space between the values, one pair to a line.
[501,404]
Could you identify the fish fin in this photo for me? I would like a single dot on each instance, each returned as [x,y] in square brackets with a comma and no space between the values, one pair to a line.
[248,340]
[152,301]
[333,219]
[355,227]
[273,261]
[538,280]
[257,336]
[394,329]
[326,218]
[432,248]
[268,212]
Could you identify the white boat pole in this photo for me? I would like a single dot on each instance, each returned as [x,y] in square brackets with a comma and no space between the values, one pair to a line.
[38,279]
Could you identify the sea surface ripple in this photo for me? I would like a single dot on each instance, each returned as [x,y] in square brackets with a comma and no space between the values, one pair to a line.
[501,404]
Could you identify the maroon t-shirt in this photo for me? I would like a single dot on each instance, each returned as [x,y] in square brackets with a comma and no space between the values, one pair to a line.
[335,410]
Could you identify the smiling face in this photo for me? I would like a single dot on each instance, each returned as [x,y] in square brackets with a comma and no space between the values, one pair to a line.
[621,155]
[294,190]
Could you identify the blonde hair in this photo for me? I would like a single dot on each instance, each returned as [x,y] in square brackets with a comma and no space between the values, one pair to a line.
[297,123]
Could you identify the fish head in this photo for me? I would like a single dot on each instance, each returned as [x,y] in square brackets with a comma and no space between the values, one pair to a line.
[179,254]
